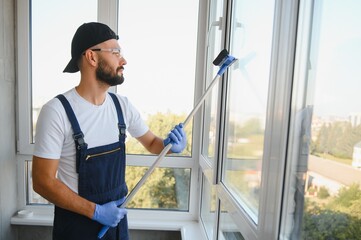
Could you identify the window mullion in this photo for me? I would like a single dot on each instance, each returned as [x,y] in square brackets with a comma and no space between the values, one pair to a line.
[24,135]
[276,134]
[108,13]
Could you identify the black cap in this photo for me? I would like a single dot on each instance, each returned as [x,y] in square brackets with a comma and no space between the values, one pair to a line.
[86,36]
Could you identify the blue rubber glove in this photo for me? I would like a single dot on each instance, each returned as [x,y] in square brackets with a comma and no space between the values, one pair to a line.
[109,214]
[177,137]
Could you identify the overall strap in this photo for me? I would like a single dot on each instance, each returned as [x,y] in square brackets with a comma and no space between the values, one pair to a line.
[121,125]
[78,135]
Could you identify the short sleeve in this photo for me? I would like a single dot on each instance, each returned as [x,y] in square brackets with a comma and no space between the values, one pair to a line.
[135,123]
[49,136]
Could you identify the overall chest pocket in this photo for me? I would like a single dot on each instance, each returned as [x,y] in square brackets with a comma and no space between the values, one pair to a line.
[102,174]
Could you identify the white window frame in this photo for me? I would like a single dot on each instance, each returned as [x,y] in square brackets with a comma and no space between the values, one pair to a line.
[276,133]
[108,14]
[276,139]
[208,166]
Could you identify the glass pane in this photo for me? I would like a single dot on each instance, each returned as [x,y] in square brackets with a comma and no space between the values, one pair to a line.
[211,103]
[228,229]
[160,124]
[324,196]
[31,196]
[159,38]
[51,35]
[166,188]
[208,207]
[251,41]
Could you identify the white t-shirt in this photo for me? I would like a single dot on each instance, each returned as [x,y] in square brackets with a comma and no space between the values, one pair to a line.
[54,134]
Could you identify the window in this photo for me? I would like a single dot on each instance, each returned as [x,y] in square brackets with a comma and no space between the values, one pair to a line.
[45,55]
[323,185]
[251,42]
[159,63]
[159,81]
[250,114]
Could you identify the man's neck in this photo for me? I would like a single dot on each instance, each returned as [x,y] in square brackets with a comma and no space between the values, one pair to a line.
[94,93]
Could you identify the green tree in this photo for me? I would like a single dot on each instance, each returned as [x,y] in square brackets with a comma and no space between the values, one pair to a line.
[348,200]
[161,124]
[346,196]
[159,191]
[252,127]
[323,193]
[329,224]
[337,139]
[339,219]
[335,134]
[321,142]
[325,224]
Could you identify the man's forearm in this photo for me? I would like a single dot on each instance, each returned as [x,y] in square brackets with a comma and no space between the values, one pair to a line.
[59,194]
[48,186]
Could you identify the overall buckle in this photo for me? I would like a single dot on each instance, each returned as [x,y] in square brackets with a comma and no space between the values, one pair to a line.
[79,139]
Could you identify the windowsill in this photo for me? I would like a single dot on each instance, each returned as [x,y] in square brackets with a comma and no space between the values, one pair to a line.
[37,219]
[189,229]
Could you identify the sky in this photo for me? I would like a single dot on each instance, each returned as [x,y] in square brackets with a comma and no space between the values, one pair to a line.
[338,79]
[158,38]
[52,32]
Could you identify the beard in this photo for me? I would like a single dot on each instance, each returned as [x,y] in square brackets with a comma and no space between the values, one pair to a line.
[104,74]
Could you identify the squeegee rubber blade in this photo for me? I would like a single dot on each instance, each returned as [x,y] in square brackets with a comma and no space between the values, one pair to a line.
[221,57]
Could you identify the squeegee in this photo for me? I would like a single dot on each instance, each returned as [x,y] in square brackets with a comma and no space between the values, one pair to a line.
[224,60]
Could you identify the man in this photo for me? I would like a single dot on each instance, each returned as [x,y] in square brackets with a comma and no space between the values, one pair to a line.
[79,156]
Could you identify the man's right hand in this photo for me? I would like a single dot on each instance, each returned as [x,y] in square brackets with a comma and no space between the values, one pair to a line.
[109,214]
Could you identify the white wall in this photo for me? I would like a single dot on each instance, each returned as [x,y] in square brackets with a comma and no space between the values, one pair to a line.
[7,119]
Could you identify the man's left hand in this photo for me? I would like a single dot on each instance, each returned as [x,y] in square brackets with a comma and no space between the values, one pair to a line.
[177,137]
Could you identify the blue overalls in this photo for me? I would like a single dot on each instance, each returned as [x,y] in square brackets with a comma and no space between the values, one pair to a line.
[101,172]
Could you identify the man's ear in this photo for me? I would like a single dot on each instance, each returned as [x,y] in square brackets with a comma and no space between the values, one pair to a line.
[91,58]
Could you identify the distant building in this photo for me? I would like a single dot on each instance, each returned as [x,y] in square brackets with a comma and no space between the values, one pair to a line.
[355,119]
[356,156]
[316,181]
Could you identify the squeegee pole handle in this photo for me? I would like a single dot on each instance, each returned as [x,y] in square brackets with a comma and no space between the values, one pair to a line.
[102,232]
[200,101]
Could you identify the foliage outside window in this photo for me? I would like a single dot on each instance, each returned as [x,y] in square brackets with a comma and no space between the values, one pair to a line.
[166,188]
[160,124]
